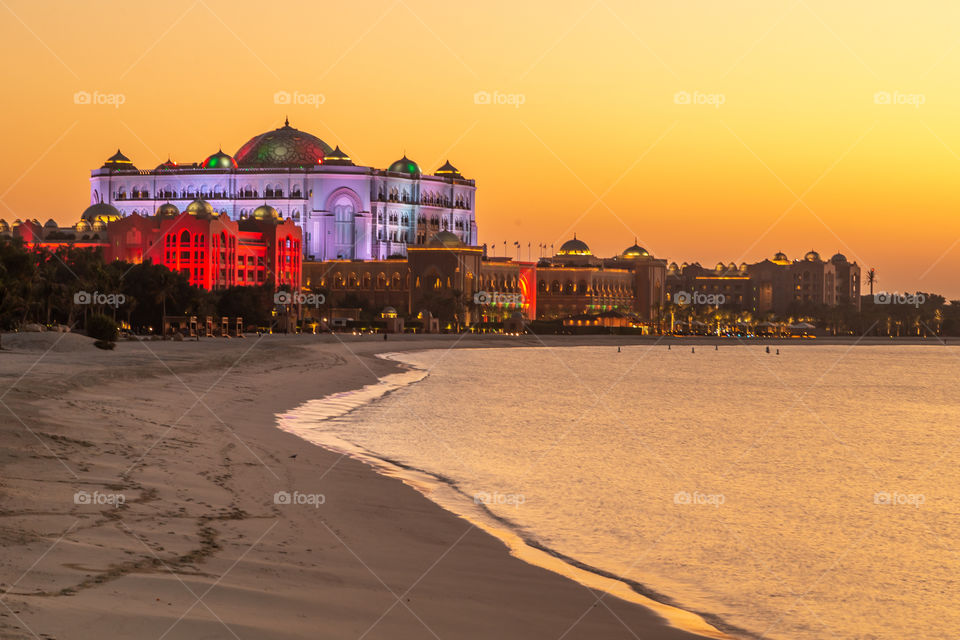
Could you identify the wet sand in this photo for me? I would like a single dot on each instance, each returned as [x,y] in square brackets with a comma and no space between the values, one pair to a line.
[138,501]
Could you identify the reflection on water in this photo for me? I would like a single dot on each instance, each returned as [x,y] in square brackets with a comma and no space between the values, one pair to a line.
[808,495]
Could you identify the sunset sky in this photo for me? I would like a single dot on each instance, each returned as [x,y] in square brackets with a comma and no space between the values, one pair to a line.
[810,124]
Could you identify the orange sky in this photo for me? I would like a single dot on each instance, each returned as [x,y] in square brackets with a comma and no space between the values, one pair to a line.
[799,154]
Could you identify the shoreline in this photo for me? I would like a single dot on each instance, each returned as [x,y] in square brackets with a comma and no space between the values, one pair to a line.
[522,547]
[199,547]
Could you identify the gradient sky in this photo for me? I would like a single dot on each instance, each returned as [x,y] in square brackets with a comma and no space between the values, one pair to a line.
[799,155]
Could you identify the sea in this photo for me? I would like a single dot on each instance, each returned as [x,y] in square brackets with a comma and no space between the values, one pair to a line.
[808,492]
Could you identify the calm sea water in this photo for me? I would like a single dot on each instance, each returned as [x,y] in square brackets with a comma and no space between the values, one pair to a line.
[810,495]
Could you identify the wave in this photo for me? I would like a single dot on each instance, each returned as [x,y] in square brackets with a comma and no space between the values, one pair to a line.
[306,422]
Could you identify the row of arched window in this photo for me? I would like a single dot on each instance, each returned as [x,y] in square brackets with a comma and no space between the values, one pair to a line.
[569,287]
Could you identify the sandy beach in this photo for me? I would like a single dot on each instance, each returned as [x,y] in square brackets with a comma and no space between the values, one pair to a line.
[138,502]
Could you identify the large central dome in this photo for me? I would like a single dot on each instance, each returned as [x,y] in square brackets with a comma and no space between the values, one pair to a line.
[284,147]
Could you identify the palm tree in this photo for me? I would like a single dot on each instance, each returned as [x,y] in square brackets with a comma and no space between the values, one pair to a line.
[166,287]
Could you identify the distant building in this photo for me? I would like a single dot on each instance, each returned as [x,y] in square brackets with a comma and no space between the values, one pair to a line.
[447,275]
[778,285]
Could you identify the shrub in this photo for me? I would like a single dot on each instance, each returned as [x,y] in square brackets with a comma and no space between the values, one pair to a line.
[102,328]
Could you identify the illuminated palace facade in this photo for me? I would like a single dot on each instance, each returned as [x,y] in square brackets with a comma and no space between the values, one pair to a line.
[346,211]
[452,279]
[207,247]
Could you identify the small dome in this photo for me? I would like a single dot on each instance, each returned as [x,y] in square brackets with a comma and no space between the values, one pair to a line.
[574,248]
[219,160]
[838,257]
[50,224]
[201,209]
[3,225]
[168,210]
[337,158]
[388,312]
[673,267]
[445,239]
[167,166]
[780,256]
[636,251]
[743,266]
[265,212]
[119,162]
[98,225]
[720,267]
[812,256]
[101,211]
[405,165]
[448,171]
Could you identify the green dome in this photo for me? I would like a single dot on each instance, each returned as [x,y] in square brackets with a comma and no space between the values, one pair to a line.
[219,160]
[101,211]
[405,165]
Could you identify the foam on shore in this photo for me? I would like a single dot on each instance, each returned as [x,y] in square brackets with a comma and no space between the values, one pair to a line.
[306,422]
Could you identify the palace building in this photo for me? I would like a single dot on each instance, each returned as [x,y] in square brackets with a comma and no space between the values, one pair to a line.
[777,285]
[451,279]
[210,249]
[347,211]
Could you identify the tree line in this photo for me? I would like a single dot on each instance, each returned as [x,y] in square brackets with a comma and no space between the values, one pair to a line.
[69,285]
